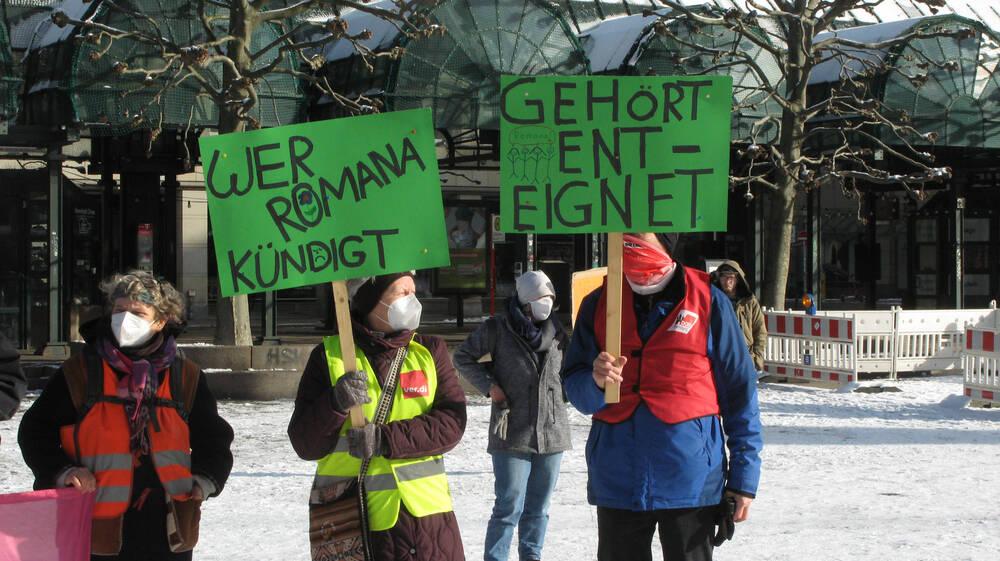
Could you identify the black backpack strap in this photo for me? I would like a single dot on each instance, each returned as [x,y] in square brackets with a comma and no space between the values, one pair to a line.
[74,370]
[491,335]
[178,389]
[177,379]
[95,380]
[183,379]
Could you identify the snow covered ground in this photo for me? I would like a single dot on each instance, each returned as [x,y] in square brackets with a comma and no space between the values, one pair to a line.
[885,476]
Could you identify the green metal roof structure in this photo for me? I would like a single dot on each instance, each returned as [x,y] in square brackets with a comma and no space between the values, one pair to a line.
[584,14]
[948,86]
[457,74]
[10,80]
[74,76]
[630,45]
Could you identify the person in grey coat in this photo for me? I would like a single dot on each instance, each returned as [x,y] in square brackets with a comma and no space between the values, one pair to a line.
[515,359]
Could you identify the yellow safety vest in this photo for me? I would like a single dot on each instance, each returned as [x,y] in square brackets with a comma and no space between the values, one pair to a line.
[419,483]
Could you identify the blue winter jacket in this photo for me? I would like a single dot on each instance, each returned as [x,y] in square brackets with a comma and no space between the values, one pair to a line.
[645,464]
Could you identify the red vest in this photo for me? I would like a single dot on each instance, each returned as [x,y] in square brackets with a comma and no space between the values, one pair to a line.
[671,373]
[100,442]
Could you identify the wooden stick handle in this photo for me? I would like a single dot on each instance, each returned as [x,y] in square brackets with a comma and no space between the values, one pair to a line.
[342,306]
[613,340]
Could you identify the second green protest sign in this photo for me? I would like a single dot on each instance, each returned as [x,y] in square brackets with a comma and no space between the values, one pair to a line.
[324,201]
[614,154]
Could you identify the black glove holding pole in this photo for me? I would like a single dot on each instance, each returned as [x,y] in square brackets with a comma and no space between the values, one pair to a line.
[724,521]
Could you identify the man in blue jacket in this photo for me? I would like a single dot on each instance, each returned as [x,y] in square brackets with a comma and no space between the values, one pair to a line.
[656,459]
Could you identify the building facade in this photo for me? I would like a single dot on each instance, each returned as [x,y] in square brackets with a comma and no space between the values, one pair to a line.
[93,182]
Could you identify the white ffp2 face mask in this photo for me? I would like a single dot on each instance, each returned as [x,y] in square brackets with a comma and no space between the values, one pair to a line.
[404,313]
[541,309]
[131,330]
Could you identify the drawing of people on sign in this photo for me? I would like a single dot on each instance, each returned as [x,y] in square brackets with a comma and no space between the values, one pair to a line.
[531,151]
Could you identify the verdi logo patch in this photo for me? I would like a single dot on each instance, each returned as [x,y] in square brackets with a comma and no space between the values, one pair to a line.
[685,321]
[414,384]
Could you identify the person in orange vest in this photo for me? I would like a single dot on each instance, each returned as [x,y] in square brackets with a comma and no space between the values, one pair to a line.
[130,420]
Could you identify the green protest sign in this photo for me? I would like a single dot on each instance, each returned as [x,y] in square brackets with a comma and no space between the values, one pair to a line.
[614,154]
[324,201]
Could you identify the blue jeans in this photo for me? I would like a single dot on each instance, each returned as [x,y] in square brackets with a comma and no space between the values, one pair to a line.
[523,486]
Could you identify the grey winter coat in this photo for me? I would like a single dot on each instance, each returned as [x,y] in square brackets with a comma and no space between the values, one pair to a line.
[537,422]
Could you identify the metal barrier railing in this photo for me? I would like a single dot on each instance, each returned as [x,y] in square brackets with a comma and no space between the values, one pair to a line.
[810,347]
[982,364]
[880,342]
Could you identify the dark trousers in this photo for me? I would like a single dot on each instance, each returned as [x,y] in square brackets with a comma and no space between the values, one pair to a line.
[625,535]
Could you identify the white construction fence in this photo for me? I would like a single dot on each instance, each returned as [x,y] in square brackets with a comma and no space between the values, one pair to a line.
[810,347]
[837,346]
[982,356]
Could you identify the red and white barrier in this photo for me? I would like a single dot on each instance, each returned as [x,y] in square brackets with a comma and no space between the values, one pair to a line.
[872,341]
[982,364]
[800,325]
[815,348]
[981,340]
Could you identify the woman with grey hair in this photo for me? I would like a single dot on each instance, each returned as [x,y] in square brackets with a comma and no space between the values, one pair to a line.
[135,423]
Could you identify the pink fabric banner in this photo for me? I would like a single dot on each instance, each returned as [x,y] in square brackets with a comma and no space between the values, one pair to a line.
[52,525]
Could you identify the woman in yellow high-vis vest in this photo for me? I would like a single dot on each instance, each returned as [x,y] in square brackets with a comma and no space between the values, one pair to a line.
[409,505]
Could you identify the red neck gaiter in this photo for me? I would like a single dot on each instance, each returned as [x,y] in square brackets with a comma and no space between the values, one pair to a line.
[643,263]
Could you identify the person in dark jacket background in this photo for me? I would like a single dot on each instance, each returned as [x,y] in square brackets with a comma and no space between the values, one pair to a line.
[730,278]
[515,360]
[656,460]
[12,382]
[385,315]
[134,351]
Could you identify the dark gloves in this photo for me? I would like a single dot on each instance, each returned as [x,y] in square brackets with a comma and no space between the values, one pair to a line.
[366,442]
[351,389]
[724,521]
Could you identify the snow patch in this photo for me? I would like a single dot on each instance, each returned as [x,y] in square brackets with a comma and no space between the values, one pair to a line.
[848,387]
[956,402]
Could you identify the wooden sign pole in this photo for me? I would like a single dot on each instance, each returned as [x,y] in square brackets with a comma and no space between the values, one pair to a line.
[342,307]
[613,340]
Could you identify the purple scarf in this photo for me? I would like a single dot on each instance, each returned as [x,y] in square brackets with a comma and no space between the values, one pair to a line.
[140,368]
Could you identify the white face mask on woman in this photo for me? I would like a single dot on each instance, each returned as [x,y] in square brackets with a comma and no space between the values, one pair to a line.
[404,313]
[541,309]
[131,330]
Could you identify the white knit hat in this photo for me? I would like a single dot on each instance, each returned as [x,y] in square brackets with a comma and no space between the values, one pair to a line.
[533,285]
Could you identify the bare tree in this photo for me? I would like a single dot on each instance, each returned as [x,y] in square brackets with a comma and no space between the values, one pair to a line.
[852,123]
[225,62]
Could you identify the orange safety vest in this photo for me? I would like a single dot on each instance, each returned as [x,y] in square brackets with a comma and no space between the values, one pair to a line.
[99,440]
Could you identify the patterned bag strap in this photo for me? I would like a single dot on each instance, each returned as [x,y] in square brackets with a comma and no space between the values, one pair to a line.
[381,413]
[389,391]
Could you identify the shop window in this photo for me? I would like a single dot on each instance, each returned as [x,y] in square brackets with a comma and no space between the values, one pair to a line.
[467,229]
